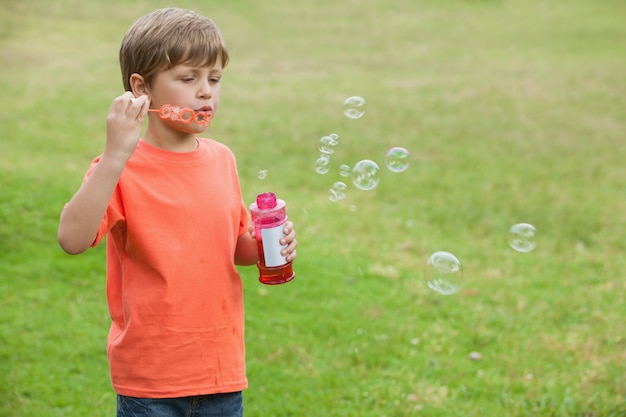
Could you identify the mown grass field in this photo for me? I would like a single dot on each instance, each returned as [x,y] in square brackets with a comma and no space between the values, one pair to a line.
[513,111]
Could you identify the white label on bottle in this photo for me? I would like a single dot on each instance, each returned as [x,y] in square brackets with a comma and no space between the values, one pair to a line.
[272,247]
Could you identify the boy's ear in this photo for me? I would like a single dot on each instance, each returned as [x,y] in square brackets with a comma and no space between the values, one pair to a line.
[138,85]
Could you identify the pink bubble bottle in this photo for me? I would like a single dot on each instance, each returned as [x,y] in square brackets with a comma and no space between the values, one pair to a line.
[268,218]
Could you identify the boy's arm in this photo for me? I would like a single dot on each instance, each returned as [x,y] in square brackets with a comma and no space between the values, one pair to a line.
[82,216]
[246,252]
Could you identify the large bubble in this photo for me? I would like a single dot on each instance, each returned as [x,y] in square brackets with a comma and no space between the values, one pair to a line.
[397,159]
[365,175]
[522,237]
[354,107]
[443,273]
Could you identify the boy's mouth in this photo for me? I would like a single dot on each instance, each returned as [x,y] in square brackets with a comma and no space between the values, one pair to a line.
[205,109]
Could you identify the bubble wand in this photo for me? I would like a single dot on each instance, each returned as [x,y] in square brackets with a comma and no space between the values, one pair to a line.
[184,115]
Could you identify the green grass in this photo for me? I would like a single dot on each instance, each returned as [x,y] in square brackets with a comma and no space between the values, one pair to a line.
[513,111]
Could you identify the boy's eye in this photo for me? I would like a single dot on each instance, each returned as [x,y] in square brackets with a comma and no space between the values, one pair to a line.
[188,79]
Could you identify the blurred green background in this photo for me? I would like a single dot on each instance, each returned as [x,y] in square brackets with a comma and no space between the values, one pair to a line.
[513,111]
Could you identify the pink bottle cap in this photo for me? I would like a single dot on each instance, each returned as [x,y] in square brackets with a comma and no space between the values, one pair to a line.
[266,201]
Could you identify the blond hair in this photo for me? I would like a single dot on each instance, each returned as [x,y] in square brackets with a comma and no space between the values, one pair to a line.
[168,37]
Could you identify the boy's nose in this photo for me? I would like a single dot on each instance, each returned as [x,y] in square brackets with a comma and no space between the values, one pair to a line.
[205,90]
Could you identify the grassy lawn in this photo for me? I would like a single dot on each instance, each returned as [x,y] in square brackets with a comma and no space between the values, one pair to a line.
[513,112]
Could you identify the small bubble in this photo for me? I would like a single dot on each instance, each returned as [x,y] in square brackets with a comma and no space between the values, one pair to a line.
[322,165]
[443,273]
[522,237]
[344,170]
[327,145]
[337,192]
[365,175]
[262,174]
[397,159]
[354,107]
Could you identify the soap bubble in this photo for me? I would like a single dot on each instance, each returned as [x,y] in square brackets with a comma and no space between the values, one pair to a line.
[522,237]
[344,170]
[322,165]
[327,145]
[397,159]
[443,273]
[337,192]
[262,174]
[354,107]
[365,175]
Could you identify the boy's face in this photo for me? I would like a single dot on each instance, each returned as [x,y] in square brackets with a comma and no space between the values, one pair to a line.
[197,88]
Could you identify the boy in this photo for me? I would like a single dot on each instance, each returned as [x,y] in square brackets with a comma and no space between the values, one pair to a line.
[172,208]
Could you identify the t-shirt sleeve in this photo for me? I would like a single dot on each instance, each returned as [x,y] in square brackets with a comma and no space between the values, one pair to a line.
[114,212]
[244,220]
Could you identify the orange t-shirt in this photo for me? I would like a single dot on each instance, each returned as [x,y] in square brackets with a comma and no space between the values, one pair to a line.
[174,294]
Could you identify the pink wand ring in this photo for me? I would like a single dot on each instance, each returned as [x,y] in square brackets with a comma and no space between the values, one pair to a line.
[184,115]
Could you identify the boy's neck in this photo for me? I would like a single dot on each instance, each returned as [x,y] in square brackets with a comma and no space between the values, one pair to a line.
[170,140]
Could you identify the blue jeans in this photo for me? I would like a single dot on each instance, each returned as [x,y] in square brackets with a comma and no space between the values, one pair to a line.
[214,405]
